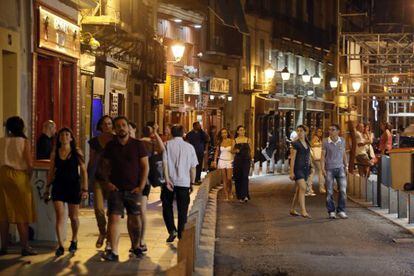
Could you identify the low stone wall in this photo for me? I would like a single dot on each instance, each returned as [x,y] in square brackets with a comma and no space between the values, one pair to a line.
[197,214]
[199,205]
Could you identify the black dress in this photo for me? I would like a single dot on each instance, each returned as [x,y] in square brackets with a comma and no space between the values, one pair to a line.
[241,169]
[66,185]
[302,166]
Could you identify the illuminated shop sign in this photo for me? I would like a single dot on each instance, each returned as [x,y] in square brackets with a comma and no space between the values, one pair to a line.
[191,87]
[58,34]
[219,85]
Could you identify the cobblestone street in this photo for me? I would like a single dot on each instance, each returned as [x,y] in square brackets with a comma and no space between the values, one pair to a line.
[260,238]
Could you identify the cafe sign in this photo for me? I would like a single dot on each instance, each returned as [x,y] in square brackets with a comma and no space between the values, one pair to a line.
[58,34]
[219,85]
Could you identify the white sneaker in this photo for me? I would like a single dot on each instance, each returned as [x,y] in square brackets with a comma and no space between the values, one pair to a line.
[332,215]
[342,215]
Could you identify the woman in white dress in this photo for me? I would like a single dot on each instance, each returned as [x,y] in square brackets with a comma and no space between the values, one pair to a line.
[223,160]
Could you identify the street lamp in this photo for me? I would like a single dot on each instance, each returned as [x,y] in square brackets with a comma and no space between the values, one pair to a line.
[333,83]
[269,73]
[285,76]
[395,79]
[305,76]
[178,51]
[229,98]
[212,97]
[316,79]
[356,85]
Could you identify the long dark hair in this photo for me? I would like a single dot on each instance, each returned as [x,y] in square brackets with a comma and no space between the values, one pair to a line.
[305,129]
[15,126]
[73,147]
[219,138]
[101,120]
[237,130]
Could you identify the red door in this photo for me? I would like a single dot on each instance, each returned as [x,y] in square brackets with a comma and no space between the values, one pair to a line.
[47,92]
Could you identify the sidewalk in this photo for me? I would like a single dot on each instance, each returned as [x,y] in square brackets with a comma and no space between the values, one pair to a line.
[86,261]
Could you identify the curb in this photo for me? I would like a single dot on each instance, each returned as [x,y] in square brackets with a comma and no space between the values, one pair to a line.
[205,260]
[401,222]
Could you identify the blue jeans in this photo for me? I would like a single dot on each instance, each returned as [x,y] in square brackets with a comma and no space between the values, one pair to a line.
[340,176]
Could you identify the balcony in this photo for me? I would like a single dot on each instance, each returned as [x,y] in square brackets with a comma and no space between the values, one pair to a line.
[224,40]
[305,33]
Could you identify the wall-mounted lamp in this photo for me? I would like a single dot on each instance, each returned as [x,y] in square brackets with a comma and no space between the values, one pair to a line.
[285,74]
[316,79]
[333,83]
[395,79]
[178,51]
[269,72]
[305,76]
[356,85]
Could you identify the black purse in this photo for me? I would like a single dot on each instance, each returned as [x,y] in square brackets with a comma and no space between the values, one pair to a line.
[156,172]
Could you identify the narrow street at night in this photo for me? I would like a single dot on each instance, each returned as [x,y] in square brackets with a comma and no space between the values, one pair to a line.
[261,238]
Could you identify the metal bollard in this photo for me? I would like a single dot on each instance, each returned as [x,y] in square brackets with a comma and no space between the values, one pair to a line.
[385,196]
[363,185]
[351,183]
[410,208]
[369,189]
[393,201]
[375,192]
[402,204]
[357,186]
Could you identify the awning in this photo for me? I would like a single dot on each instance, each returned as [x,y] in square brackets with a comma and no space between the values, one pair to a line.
[230,12]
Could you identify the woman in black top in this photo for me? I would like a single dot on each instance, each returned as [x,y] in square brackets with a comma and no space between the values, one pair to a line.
[154,146]
[96,148]
[66,185]
[300,169]
[241,165]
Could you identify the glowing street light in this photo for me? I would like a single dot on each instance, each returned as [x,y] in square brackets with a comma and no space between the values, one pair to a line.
[356,85]
[395,79]
[269,73]
[333,83]
[316,79]
[178,51]
[212,97]
[285,74]
[305,76]
[229,98]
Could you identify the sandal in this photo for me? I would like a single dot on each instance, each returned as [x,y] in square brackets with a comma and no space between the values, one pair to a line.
[306,216]
[100,241]
[294,213]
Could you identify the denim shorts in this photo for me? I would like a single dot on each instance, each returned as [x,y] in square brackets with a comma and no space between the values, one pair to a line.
[120,200]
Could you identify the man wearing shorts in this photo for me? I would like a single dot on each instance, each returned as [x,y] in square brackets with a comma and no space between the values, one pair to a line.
[125,162]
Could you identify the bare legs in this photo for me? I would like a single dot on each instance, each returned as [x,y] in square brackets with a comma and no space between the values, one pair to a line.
[226,176]
[144,202]
[299,197]
[22,228]
[114,232]
[60,220]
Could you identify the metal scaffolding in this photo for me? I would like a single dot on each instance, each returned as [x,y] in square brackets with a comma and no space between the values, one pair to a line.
[378,55]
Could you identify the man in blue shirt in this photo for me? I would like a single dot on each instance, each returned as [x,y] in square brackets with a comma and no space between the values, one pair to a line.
[199,139]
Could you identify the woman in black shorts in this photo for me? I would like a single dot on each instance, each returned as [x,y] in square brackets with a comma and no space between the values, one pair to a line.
[154,145]
[66,185]
[300,169]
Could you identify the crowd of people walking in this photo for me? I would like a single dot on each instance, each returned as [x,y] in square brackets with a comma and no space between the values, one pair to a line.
[122,169]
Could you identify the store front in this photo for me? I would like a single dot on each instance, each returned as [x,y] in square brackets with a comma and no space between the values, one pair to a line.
[55,62]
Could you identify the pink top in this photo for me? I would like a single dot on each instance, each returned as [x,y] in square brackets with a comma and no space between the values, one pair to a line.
[385,141]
